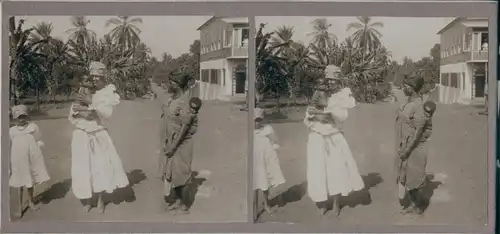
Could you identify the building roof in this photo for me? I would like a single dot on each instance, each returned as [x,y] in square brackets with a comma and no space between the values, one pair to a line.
[467,21]
[234,20]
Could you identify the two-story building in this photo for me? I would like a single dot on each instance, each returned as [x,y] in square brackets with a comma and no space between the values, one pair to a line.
[464,59]
[224,57]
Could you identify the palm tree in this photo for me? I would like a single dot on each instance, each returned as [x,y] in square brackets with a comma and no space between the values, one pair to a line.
[366,34]
[321,36]
[80,33]
[25,62]
[283,35]
[125,31]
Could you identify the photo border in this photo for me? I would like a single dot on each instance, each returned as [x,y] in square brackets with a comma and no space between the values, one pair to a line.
[250,10]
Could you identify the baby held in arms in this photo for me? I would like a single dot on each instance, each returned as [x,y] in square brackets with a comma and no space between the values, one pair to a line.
[326,112]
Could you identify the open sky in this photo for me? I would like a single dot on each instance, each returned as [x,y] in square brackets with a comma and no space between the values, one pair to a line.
[412,37]
[172,34]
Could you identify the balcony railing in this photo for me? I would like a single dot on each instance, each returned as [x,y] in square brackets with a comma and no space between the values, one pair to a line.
[476,55]
[240,51]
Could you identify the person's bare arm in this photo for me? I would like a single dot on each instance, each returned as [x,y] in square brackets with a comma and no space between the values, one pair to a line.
[180,137]
[420,125]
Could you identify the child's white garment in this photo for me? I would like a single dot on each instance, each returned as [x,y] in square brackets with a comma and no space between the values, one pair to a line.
[338,105]
[267,170]
[26,158]
[105,100]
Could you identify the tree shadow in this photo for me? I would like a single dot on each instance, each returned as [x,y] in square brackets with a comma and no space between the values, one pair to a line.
[362,197]
[191,190]
[126,194]
[56,191]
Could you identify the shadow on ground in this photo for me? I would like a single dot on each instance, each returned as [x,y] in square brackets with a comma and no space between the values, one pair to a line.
[426,192]
[363,196]
[56,191]
[127,194]
[191,190]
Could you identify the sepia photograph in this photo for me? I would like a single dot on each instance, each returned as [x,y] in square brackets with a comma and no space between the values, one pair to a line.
[128,118]
[371,121]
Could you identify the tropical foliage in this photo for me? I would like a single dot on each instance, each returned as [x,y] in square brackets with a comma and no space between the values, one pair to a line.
[45,67]
[286,67]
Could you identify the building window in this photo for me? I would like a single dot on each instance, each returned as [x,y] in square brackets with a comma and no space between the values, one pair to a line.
[223,77]
[454,80]
[244,36]
[484,41]
[477,43]
[467,41]
[228,37]
[213,76]
[463,81]
[444,79]
[204,75]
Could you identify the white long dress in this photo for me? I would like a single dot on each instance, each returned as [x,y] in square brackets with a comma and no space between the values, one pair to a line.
[26,158]
[331,168]
[266,166]
[96,166]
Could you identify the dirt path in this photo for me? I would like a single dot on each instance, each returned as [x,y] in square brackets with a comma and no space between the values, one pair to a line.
[220,159]
[457,159]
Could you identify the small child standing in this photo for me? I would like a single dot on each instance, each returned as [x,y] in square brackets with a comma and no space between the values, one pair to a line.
[267,170]
[187,131]
[27,167]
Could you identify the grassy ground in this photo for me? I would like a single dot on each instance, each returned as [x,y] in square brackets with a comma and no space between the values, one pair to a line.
[220,159]
[457,166]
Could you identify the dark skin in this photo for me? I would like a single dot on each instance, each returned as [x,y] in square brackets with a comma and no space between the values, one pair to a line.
[178,141]
[405,151]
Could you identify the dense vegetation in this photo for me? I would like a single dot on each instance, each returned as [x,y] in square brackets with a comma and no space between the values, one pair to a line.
[44,68]
[286,68]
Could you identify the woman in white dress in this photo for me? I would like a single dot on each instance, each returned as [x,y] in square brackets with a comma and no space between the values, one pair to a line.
[96,167]
[331,169]
[27,167]
[267,171]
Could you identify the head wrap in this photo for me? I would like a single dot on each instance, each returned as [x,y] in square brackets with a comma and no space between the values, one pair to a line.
[258,113]
[97,68]
[332,72]
[180,76]
[415,81]
[19,110]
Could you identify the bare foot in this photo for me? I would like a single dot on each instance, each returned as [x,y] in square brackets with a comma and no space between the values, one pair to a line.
[322,211]
[101,206]
[270,209]
[182,210]
[174,206]
[408,210]
[32,206]
[87,208]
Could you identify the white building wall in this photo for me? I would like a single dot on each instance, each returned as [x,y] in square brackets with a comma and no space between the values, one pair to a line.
[450,95]
[208,91]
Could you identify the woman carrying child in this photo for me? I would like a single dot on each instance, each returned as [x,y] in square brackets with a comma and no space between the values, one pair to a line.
[96,167]
[331,169]
[178,124]
[413,129]
[27,167]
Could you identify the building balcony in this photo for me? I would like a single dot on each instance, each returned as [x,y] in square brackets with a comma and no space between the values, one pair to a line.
[476,56]
[239,52]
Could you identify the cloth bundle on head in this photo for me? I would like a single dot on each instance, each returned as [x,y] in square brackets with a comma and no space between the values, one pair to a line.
[19,110]
[332,72]
[258,113]
[97,68]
